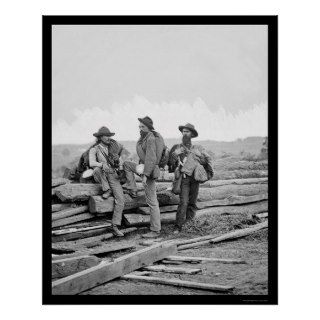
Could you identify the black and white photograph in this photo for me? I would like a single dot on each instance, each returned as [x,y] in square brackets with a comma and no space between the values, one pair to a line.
[159,131]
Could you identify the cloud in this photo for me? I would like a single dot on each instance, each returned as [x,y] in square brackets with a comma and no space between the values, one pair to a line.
[121,118]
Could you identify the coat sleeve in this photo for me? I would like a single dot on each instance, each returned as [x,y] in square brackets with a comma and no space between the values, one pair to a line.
[151,156]
[93,158]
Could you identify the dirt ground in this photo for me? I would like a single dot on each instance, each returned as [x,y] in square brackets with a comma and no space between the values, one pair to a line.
[250,278]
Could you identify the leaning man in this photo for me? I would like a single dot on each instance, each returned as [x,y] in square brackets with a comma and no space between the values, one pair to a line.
[186,161]
[149,148]
[104,159]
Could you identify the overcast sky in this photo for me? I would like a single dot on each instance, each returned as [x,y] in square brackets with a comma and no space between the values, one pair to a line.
[212,76]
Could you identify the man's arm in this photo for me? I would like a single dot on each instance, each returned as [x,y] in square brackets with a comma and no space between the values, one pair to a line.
[93,159]
[208,163]
[151,156]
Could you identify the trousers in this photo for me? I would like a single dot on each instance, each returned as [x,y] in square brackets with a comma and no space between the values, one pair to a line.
[188,198]
[111,181]
[150,191]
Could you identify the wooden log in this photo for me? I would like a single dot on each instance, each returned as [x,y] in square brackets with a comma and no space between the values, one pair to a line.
[240,174]
[69,212]
[132,219]
[146,210]
[59,181]
[178,283]
[99,205]
[65,267]
[60,206]
[77,191]
[107,271]
[171,262]
[217,183]
[228,236]
[166,198]
[76,218]
[204,259]
[179,270]
[232,200]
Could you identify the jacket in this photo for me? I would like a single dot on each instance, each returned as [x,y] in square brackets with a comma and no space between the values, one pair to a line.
[197,154]
[149,150]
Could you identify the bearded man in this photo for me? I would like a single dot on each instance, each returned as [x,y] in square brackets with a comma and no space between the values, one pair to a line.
[149,148]
[184,158]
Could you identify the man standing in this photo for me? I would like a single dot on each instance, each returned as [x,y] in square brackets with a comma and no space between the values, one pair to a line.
[183,160]
[104,159]
[149,148]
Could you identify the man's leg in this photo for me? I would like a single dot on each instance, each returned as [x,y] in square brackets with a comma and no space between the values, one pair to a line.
[130,169]
[184,199]
[118,198]
[100,177]
[193,196]
[152,202]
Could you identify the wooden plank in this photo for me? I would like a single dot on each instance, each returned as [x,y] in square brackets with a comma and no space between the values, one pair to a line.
[72,230]
[217,183]
[179,283]
[69,212]
[232,200]
[60,206]
[76,218]
[178,270]
[240,174]
[228,236]
[107,271]
[146,210]
[204,259]
[65,267]
[164,261]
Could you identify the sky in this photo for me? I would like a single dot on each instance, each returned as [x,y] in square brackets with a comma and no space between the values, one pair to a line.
[214,77]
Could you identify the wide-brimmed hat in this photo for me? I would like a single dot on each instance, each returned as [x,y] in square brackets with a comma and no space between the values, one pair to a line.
[104,131]
[147,121]
[190,127]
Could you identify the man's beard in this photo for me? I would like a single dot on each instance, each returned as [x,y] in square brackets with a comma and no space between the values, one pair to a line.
[186,140]
[143,133]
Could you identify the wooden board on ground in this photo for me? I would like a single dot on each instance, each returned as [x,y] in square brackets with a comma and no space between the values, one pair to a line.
[179,283]
[261,215]
[69,212]
[204,259]
[65,267]
[240,174]
[178,270]
[107,271]
[134,220]
[228,236]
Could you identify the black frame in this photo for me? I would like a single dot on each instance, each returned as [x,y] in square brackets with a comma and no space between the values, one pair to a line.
[272,22]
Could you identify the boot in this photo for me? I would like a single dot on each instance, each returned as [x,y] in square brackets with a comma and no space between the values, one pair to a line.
[152,234]
[116,231]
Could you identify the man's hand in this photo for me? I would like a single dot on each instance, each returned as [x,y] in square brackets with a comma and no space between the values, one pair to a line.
[144,180]
[178,151]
